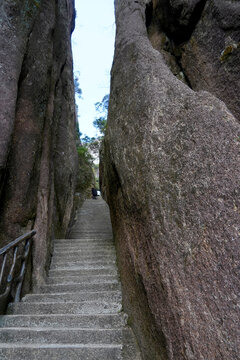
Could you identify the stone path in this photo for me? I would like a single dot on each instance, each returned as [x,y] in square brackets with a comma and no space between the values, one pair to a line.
[78,313]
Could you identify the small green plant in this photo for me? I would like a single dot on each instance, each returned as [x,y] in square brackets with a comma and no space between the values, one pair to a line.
[84,153]
[36,2]
[86,175]
[225,54]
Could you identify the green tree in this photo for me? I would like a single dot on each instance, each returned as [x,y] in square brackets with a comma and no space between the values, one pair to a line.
[78,90]
[100,122]
[86,175]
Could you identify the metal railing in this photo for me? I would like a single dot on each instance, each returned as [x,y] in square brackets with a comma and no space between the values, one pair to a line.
[13,268]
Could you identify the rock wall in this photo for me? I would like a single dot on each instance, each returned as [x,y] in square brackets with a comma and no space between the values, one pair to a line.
[170,172]
[38,156]
[202,38]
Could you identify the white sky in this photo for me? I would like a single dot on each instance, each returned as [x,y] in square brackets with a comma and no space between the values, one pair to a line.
[93,47]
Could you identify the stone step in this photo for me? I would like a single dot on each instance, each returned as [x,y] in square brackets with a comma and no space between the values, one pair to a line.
[78,287]
[81,307]
[91,234]
[61,336]
[98,252]
[97,321]
[86,258]
[78,248]
[112,296]
[84,263]
[85,238]
[78,245]
[84,241]
[84,253]
[82,272]
[83,279]
[72,263]
[77,235]
[71,352]
[83,267]
[83,245]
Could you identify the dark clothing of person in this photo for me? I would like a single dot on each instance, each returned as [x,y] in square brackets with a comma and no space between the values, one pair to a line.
[94,193]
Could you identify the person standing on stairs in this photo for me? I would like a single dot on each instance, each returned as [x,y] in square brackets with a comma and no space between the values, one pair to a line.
[94,193]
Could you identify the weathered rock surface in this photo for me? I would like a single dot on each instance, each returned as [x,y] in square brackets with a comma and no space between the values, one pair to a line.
[171,177]
[204,38]
[38,157]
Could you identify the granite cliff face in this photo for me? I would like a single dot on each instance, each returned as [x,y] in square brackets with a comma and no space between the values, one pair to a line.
[202,39]
[38,156]
[170,173]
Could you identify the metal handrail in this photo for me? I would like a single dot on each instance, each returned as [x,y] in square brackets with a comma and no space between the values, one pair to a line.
[10,277]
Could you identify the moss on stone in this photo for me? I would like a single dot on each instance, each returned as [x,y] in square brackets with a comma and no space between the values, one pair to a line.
[227,52]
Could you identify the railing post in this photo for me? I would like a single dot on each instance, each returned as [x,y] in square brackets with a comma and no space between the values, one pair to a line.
[3,267]
[14,245]
[23,270]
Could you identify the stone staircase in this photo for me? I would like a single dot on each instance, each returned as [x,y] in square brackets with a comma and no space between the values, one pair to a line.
[78,313]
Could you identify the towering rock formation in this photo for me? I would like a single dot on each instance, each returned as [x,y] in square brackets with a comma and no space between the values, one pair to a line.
[38,157]
[171,174]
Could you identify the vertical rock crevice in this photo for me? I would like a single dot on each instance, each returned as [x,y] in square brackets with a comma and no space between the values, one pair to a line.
[200,43]
[169,26]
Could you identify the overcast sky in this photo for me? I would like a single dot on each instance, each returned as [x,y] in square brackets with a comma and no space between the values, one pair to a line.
[93,47]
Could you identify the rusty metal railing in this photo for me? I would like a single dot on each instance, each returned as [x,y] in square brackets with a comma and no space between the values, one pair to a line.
[9,261]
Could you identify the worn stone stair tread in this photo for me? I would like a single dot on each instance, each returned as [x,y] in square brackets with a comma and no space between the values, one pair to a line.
[83,283]
[88,266]
[78,287]
[82,262]
[74,297]
[89,254]
[85,279]
[99,321]
[84,259]
[86,251]
[61,336]
[85,267]
[83,246]
[77,272]
[71,352]
[61,352]
[76,280]
[52,346]
[84,239]
[97,256]
[101,236]
[82,254]
[83,307]
[82,242]
[85,264]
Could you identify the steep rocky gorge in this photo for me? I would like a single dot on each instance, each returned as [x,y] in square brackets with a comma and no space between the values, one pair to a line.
[170,173]
[38,155]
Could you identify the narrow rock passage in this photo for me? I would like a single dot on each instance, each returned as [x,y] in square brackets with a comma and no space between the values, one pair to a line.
[78,313]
